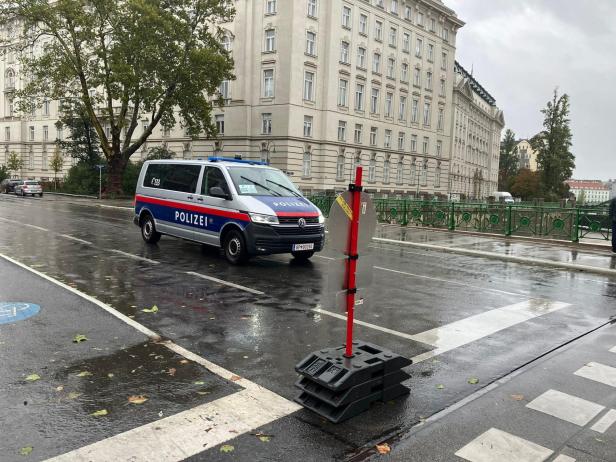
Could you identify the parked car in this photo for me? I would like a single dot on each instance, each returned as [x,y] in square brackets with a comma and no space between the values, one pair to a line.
[8,186]
[31,187]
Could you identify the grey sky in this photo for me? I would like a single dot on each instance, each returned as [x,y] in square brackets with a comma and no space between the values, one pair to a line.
[522,49]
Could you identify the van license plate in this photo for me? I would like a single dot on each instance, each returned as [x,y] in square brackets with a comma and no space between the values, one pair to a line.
[300,247]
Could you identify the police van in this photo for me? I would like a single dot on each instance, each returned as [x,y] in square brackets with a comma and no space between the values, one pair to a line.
[246,208]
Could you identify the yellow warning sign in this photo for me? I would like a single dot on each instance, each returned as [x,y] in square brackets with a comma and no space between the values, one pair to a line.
[345,207]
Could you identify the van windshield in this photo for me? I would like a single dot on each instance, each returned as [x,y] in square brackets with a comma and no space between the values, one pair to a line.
[262,182]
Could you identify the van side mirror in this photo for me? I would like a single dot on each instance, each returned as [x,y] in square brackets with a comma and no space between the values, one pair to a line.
[217,191]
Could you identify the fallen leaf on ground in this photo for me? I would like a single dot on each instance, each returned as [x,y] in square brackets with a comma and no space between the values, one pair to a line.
[199,382]
[79,338]
[440,386]
[235,378]
[110,375]
[26,451]
[383,448]
[172,371]
[59,388]
[227,448]
[33,378]
[100,413]
[265,438]
[203,393]
[154,309]
[84,374]
[137,399]
[73,395]
[473,380]
[517,397]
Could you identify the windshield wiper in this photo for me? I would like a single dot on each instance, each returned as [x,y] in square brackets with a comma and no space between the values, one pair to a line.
[261,186]
[284,187]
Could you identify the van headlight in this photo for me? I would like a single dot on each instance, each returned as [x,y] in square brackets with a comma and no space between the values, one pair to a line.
[321,218]
[264,219]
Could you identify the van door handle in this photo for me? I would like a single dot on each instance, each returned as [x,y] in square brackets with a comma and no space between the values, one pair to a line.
[200,199]
[190,198]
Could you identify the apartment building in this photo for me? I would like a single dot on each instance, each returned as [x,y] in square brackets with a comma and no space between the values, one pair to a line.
[527,155]
[322,86]
[589,191]
[476,134]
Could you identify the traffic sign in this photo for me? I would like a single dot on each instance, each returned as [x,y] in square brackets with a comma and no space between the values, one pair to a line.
[339,221]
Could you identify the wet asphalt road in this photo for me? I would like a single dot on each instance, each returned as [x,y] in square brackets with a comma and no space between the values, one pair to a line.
[262,331]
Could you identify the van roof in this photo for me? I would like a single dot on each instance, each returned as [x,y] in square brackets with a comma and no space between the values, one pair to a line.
[213,161]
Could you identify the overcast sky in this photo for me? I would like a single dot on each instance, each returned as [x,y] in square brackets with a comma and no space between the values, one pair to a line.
[522,49]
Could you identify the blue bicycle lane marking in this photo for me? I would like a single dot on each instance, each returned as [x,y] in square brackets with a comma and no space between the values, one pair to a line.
[11,312]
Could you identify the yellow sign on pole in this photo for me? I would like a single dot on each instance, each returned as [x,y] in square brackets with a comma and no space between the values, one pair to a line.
[344,206]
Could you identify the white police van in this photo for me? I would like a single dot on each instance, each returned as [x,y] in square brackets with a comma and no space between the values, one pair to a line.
[246,208]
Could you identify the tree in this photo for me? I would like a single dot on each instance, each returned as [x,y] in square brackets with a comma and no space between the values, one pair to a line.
[14,162]
[160,153]
[527,185]
[56,164]
[124,60]
[82,142]
[554,158]
[4,173]
[509,161]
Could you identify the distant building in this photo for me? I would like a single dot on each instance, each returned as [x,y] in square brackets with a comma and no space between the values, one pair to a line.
[612,185]
[527,155]
[590,191]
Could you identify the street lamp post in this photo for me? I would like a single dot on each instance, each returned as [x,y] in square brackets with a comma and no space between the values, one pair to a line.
[100,168]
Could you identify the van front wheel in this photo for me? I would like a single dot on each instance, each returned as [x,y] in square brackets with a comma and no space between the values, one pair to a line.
[235,248]
[148,230]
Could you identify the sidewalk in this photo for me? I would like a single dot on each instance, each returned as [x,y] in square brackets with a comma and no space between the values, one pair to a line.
[560,408]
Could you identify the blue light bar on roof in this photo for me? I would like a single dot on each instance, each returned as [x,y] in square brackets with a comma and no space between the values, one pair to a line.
[237,161]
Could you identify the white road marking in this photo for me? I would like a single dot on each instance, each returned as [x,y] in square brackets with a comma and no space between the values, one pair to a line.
[566,407]
[76,239]
[20,223]
[613,350]
[134,257]
[115,207]
[599,373]
[605,422]
[325,258]
[564,458]
[447,281]
[226,283]
[467,330]
[183,435]
[498,446]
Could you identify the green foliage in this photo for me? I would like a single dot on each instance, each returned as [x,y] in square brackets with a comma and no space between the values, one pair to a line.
[14,162]
[4,173]
[509,161]
[160,153]
[553,144]
[527,185]
[57,161]
[82,178]
[123,60]
[82,142]
[131,175]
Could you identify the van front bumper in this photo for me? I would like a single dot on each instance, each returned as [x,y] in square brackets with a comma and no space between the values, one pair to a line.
[265,239]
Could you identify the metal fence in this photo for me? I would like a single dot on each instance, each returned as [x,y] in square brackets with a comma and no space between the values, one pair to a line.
[542,221]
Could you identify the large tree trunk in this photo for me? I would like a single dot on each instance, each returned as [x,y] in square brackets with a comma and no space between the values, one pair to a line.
[115,172]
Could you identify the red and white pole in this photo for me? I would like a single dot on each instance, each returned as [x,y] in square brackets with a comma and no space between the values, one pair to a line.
[352,260]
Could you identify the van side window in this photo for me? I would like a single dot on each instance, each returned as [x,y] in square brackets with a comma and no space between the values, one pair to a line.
[213,177]
[180,178]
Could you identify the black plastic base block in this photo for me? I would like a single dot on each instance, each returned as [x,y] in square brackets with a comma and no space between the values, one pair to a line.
[341,398]
[342,413]
[331,369]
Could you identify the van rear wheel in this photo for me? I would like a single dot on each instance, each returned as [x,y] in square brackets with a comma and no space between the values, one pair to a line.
[148,230]
[235,248]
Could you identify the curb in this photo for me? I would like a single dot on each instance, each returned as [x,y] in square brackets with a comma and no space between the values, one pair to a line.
[509,258]
[71,195]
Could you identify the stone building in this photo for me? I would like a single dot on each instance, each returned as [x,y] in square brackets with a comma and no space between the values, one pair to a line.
[527,155]
[589,191]
[475,136]
[322,86]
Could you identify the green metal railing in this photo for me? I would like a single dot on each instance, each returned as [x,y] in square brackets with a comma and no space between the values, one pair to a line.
[542,221]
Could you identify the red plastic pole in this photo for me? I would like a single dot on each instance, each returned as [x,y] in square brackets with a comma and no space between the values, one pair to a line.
[352,261]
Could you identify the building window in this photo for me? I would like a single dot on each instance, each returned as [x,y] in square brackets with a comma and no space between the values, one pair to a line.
[446,35]
[359,97]
[408,13]
[427,114]
[343,91]
[376,63]
[374,101]
[428,80]
[307,165]
[45,133]
[270,6]
[342,125]
[373,136]
[220,124]
[443,87]
[266,123]
[31,131]
[9,107]
[363,24]
[386,171]
[346,17]
[420,19]
[387,141]
[7,133]
[426,145]
[400,173]
[361,58]
[44,162]
[344,52]
[309,86]
[270,40]
[389,103]
[413,173]
[312,8]
[358,133]
[308,126]
[340,167]
[417,77]
[444,61]
[268,83]
[418,47]
[394,6]
[311,43]
[415,111]
[46,107]
[224,89]
[401,141]
[226,43]
[402,114]
[372,169]
[406,42]
[441,118]
[439,148]
[393,37]
[378,31]
[9,81]
[391,68]
[405,72]
[413,143]
[430,52]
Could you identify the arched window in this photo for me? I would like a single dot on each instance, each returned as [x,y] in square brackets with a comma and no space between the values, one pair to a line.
[372,169]
[307,165]
[340,167]
[400,172]
[386,171]
[227,42]
[9,80]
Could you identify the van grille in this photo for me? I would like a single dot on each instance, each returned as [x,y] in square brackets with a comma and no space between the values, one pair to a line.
[294,220]
[297,231]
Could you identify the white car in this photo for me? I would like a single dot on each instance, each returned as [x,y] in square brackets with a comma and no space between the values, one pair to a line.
[29,187]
